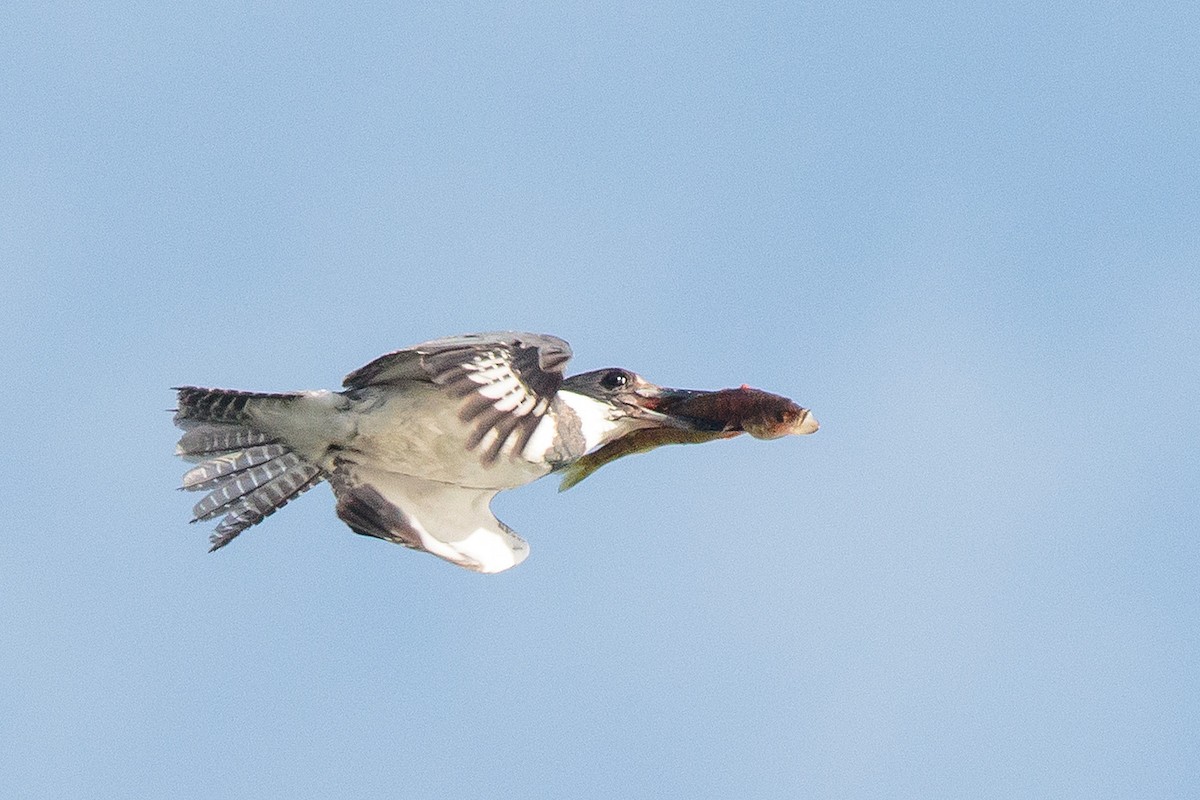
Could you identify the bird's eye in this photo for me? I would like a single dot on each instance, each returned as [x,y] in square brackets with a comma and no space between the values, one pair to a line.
[614,379]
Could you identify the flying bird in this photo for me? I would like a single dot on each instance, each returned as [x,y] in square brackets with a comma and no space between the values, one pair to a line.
[420,440]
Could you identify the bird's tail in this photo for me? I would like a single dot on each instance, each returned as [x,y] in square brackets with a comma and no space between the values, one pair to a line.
[247,472]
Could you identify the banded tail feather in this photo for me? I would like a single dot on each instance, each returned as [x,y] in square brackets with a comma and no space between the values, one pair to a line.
[248,473]
[263,501]
[222,405]
[228,490]
[219,469]
[204,440]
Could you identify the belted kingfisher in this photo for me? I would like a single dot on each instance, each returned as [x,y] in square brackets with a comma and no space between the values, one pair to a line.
[418,442]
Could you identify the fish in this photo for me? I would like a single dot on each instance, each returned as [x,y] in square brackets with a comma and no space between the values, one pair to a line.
[720,414]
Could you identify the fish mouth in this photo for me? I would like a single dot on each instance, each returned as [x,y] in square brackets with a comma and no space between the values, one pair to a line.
[806,424]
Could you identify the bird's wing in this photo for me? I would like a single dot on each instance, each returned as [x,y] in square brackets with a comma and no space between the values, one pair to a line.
[452,522]
[540,355]
[506,380]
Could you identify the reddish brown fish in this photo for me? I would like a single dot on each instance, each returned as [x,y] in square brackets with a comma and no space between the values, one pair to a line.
[761,414]
[721,414]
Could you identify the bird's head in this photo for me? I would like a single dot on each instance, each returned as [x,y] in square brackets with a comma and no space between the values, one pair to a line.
[613,402]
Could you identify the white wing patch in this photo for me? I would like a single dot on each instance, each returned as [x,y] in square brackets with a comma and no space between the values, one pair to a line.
[505,409]
[493,372]
[481,550]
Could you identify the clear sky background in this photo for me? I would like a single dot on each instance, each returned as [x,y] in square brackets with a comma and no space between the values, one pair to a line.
[965,234]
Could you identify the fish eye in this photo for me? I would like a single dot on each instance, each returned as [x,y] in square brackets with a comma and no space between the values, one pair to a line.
[614,379]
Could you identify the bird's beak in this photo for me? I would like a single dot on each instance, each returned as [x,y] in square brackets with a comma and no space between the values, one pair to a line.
[649,403]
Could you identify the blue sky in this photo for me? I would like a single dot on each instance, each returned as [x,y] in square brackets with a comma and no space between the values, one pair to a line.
[964,234]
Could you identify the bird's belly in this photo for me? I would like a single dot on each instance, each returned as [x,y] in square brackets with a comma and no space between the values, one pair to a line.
[418,432]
